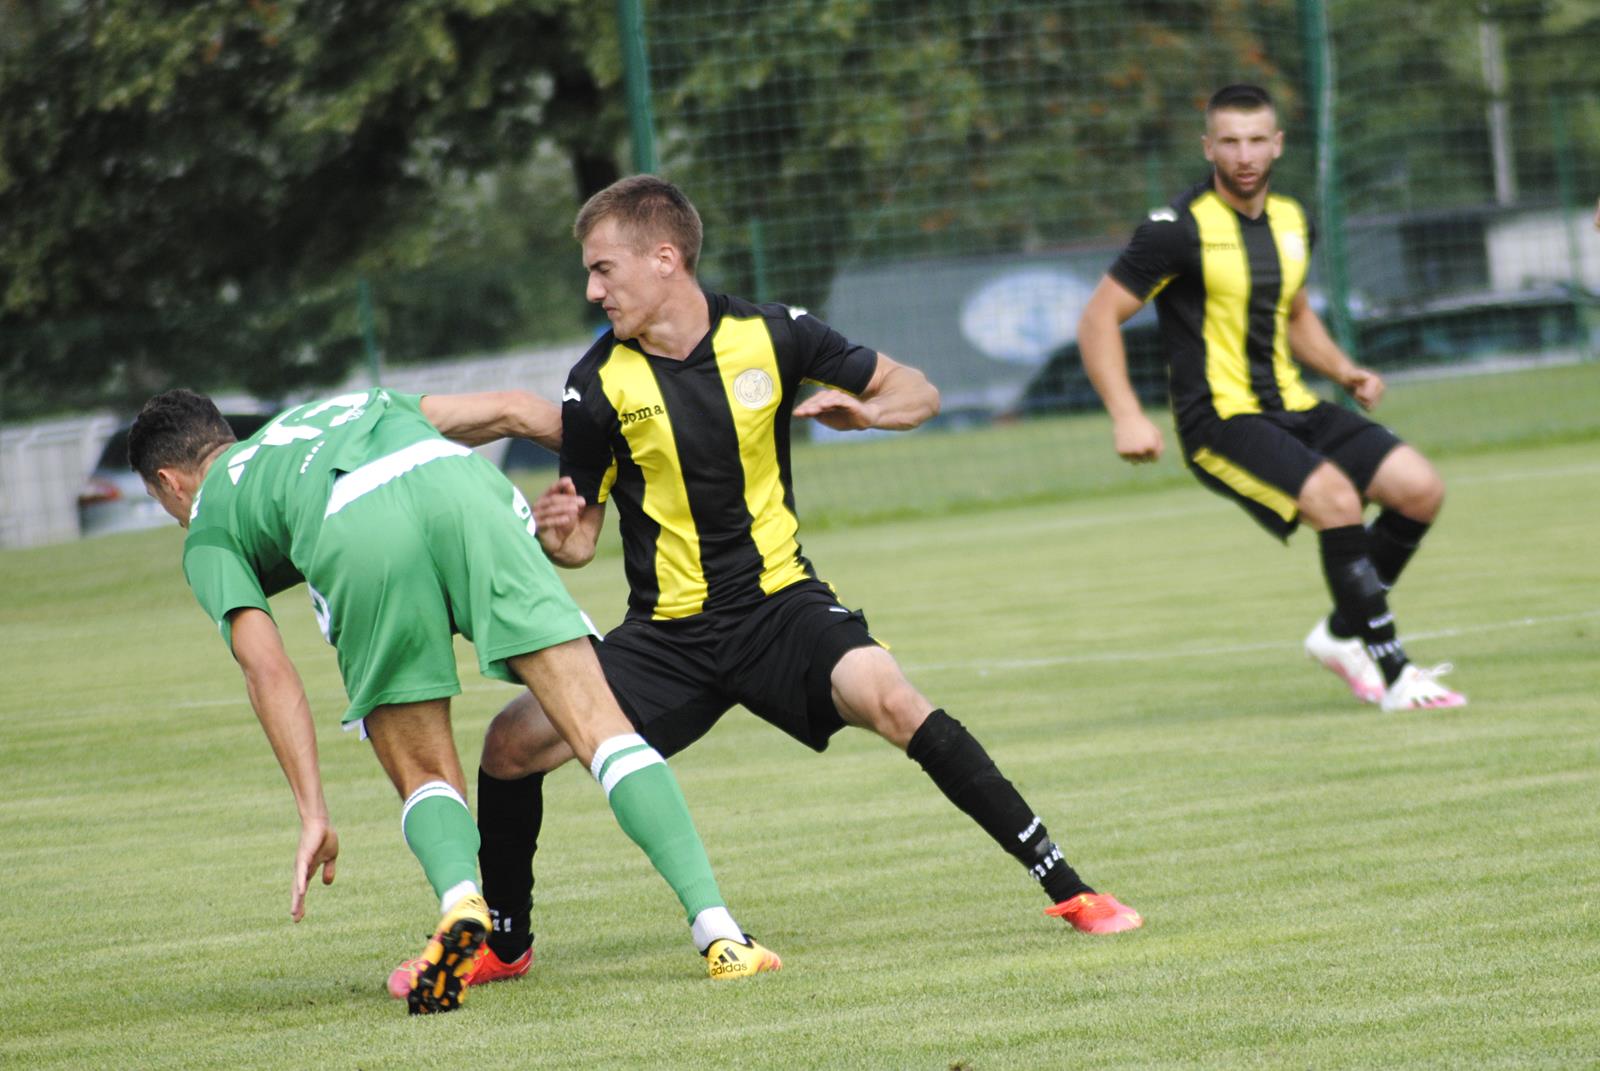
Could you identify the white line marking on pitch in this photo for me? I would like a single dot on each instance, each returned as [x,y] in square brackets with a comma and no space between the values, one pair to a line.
[1233,649]
[481,687]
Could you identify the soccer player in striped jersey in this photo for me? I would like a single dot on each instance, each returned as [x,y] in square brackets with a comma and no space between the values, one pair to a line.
[680,415]
[1226,265]
[403,536]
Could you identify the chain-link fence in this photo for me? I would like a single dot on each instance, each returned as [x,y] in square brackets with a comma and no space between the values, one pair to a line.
[946,180]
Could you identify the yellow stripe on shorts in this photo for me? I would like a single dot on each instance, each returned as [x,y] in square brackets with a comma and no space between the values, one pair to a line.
[1246,485]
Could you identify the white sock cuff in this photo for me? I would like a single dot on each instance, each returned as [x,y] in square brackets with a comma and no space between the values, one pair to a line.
[630,763]
[714,924]
[455,894]
[610,747]
[428,791]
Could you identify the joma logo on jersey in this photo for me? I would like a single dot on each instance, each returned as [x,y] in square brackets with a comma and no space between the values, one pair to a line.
[644,412]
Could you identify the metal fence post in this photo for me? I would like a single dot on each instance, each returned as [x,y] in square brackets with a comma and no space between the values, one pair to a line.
[1321,93]
[636,81]
[1571,213]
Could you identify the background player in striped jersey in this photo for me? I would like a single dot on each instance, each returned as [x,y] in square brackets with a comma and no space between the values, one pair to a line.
[680,415]
[1226,264]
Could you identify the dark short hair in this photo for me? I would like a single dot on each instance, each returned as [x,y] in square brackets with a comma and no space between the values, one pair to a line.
[648,209]
[175,430]
[1241,97]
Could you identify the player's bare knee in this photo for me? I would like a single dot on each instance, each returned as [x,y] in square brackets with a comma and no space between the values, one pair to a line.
[870,691]
[1424,498]
[1408,483]
[1328,499]
[522,741]
[899,713]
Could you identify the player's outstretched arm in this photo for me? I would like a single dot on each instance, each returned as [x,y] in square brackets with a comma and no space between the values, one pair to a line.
[1105,360]
[897,398]
[475,419]
[1313,347]
[279,699]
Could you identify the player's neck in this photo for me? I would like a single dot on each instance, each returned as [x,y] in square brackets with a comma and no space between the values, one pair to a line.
[678,326]
[204,468]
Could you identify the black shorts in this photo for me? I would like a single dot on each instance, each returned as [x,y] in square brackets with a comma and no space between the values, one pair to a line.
[1261,460]
[674,679]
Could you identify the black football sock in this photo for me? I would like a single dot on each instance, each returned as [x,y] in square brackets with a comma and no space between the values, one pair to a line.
[1339,628]
[968,777]
[509,816]
[1392,539]
[1359,597]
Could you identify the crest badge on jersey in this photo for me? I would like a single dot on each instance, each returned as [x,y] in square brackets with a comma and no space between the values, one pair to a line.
[753,388]
[1294,245]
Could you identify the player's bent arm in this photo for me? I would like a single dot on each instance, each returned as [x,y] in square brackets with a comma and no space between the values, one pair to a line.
[1315,348]
[902,395]
[475,419]
[896,398]
[1105,359]
[279,699]
[575,547]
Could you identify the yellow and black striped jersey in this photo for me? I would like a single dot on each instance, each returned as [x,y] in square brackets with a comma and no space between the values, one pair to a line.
[695,453]
[1223,285]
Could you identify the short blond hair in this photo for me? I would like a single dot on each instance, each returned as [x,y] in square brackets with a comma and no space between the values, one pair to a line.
[648,209]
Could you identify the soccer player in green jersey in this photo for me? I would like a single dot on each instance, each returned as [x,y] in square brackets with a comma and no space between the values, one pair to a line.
[680,416]
[1226,265]
[403,535]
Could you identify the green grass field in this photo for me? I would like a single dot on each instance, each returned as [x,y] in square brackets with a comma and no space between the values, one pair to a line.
[1325,886]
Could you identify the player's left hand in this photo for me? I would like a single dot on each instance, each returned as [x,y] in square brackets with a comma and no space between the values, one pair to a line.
[1366,387]
[838,410]
[319,846]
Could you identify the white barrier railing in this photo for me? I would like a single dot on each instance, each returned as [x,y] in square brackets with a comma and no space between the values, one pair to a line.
[43,465]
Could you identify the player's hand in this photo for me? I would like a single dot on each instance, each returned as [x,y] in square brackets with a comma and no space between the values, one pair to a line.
[556,512]
[1365,386]
[1137,439]
[838,410]
[319,847]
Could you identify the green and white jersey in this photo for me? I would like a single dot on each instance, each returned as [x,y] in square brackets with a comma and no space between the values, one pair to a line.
[261,508]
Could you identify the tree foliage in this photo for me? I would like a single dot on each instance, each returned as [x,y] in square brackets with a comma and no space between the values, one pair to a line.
[1413,100]
[191,189]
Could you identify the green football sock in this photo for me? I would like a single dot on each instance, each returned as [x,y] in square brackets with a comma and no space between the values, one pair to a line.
[651,810]
[442,835]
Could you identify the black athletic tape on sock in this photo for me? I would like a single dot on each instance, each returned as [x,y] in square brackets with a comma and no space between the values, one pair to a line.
[1359,595]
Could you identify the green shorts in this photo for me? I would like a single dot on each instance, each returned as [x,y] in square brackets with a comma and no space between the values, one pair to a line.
[445,547]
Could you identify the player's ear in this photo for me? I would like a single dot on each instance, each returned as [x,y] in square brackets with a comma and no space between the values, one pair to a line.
[170,480]
[667,259]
